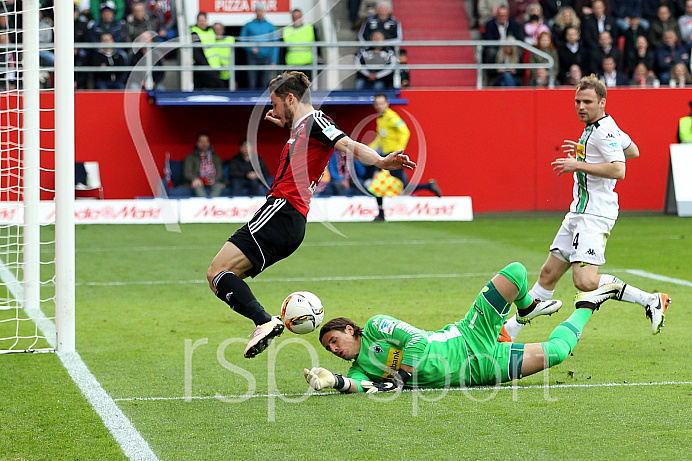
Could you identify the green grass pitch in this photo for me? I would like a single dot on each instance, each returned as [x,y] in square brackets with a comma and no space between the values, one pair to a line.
[142,298]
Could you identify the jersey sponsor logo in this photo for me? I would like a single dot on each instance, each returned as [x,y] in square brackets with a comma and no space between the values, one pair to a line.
[386,326]
[393,363]
[331,132]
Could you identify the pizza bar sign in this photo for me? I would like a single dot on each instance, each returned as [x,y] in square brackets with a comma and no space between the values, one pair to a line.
[243,6]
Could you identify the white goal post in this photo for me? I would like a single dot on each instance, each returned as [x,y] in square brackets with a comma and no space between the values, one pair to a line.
[37,259]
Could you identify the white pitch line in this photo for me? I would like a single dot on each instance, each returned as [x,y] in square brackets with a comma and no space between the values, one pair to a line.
[451,389]
[129,439]
[350,278]
[661,278]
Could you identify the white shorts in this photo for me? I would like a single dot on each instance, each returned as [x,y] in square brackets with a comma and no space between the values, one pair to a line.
[582,238]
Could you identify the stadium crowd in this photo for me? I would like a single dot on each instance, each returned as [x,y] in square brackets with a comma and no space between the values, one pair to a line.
[643,43]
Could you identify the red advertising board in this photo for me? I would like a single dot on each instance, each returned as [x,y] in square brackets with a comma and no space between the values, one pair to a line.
[243,6]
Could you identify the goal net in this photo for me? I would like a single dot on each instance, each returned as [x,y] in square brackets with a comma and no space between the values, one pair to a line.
[33,172]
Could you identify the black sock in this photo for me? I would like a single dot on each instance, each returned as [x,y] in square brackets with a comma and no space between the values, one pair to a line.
[380,206]
[527,310]
[236,293]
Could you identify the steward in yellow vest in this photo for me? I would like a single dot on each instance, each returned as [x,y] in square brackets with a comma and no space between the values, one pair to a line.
[298,32]
[223,54]
[205,56]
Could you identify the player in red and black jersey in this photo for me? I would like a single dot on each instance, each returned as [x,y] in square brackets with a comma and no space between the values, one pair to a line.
[278,227]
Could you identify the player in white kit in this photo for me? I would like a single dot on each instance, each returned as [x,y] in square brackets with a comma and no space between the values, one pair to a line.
[597,162]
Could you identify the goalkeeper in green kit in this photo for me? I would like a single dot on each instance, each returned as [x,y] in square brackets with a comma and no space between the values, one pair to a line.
[389,354]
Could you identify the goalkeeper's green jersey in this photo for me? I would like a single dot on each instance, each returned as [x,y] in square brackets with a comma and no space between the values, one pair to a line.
[440,358]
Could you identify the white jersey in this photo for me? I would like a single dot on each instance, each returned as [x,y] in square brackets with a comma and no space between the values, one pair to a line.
[601,142]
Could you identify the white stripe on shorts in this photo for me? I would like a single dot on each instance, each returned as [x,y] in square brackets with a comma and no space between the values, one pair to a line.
[266,215]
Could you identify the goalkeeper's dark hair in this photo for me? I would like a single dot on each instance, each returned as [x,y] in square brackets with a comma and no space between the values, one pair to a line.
[591,82]
[340,323]
[293,82]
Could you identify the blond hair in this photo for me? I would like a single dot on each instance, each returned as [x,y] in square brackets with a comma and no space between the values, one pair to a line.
[592,82]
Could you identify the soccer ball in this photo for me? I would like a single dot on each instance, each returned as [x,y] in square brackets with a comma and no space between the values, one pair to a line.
[302,312]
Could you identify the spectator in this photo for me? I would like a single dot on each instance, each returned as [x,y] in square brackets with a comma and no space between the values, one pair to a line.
[163,14]
[507,76]
[680,76]
[375,66]
[502,26]
[109,57]
[664,21]
[259,30]
[534,26]
[137,22]
[574,75]
[299,32]
[81,35]
[487,10]
[157,76]
[551,8]
[202,169]
[650,8]
[545,44]
[685,23]
[641,54]
[610,75]
[635,31]
[223,53]
[625,11]
[404,72]
[643,77]
[518,8]
[668,54]
[572,53]
[605,48]
[8,65]
[241,173]
[597,23]
[106,24]
[118,7]
[499,28]
[201,33]
[564,18]
[540,78]
[382,22]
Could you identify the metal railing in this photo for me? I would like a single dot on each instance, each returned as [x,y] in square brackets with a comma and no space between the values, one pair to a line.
[159,49]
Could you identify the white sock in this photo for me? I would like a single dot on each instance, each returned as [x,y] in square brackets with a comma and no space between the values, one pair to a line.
[632,294]
[538,292]
[512,327]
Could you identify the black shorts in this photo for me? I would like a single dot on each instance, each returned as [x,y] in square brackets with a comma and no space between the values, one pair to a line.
[273,233]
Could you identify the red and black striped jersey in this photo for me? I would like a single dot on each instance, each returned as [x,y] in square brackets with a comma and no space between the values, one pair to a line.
[304,158]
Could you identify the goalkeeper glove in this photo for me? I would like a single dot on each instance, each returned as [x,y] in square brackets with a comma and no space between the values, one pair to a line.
[321,378]
[400,379]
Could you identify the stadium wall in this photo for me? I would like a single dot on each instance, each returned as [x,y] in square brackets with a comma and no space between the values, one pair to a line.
[493,145]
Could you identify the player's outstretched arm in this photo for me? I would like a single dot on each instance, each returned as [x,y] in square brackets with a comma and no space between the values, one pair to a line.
[612,170]
[398,383]
[359,151]
[320,378]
